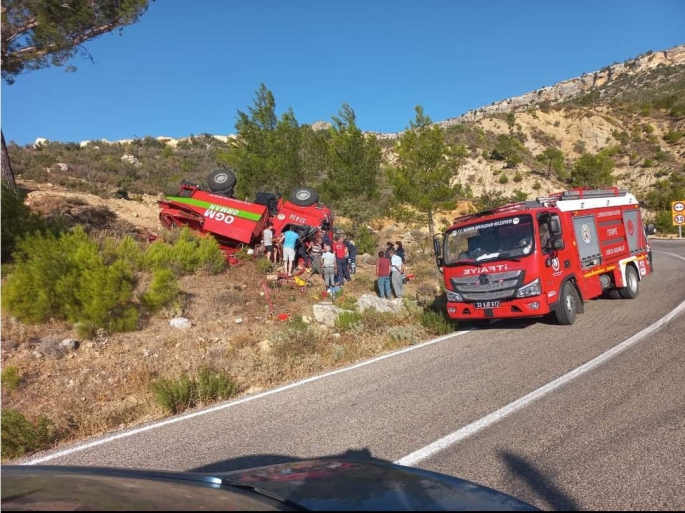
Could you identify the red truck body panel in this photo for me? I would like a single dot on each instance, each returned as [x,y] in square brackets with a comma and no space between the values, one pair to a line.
[236,223]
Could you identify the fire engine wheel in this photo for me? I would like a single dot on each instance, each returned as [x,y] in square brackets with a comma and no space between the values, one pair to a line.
[568,304]
[632,288]
[304,196]
[221,180]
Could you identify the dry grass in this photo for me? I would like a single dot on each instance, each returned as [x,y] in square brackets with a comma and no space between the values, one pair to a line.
[105,384]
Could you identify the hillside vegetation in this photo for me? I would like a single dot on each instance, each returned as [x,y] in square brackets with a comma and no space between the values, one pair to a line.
[87,344]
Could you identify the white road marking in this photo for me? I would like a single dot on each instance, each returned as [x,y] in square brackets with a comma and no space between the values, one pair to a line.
[174,420]
[473,428]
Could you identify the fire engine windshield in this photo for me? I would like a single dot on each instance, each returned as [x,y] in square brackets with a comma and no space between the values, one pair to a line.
[501,239]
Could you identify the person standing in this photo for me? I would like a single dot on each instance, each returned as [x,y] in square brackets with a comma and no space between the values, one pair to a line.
[315,251]
[351,255]
[268,241]
[396,272]
[340,252]
[290,238]
[328,265]
[383,275]
[399,250]
[388,247]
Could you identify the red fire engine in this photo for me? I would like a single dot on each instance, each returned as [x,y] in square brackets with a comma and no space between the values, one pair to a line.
[549,255]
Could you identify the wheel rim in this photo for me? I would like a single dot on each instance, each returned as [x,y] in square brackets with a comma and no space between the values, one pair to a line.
[303,195]
[570,305]
[221,178]
[632,281]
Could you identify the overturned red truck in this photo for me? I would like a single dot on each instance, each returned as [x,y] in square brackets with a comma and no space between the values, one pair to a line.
[236,224]
[545,256]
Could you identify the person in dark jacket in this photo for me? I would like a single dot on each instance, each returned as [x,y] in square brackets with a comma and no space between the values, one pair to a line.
[351,254]
[389,246]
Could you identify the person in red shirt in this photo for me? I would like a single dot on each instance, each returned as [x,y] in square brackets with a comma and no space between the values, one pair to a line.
[340,252]
[383,274]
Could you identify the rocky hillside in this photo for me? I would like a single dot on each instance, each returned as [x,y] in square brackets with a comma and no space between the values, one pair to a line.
[634,111]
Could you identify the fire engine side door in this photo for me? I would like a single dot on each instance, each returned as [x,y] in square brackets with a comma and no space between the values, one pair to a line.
[556,264]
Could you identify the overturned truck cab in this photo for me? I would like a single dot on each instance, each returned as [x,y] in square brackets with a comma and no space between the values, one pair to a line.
[546,256]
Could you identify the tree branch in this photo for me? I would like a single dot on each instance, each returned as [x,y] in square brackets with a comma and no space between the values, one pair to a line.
[98,31]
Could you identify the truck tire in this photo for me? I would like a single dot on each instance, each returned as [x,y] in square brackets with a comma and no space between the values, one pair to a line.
[568,304]
[632,288]
[221,180]
[304,196]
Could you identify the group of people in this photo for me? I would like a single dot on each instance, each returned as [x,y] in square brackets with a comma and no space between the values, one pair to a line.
[390,271]
[334,260]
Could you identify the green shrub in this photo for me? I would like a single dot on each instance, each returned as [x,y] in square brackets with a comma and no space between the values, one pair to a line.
[436,322]
[537,186]
[671,137]
[66,278]
[263,265]
[503,179]
[175,396]
[10,377]
[162,291]
[346,302]
[375,321]
[349,321]
[16,222]
[365,241]
[402,334]
[20,436]
[517,177]
[189,253]
[214,385]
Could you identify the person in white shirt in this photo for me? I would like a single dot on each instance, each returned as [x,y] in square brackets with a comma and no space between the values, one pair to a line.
[396,272]
[269,242]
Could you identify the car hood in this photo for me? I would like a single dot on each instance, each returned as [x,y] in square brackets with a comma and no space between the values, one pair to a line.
[322,485]
[340,484]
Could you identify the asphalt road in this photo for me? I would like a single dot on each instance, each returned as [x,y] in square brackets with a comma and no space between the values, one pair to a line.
[611,438]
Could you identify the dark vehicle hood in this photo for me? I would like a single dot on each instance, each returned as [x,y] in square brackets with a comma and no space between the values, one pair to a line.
[323,485]
[335,485]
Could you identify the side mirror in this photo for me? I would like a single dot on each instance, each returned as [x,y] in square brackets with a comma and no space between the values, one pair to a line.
[558,244]
[651,229]
[555,227]
[437,246]
[439,262]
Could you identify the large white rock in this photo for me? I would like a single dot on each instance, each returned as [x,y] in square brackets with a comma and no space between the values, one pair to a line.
[181,323]
[40,141]
[327,313]
[129,159]
[379,304]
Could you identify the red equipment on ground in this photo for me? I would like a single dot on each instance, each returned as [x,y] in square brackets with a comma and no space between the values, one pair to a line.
[550,255]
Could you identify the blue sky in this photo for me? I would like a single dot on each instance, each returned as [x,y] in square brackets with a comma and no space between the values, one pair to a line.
[188,67]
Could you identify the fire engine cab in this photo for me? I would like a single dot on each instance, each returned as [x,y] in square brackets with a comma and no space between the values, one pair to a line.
[550,255]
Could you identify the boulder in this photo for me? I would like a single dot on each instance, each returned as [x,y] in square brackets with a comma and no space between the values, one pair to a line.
[394,306]
[70,344]
[327,313]
[181,323]
[130,159]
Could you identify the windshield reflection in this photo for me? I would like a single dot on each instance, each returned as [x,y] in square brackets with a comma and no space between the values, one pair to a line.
[487,241]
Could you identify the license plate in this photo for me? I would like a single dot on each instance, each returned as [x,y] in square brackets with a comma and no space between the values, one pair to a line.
[486,304]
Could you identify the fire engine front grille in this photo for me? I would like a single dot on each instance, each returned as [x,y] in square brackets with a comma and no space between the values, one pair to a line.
[502,294]
[487,286]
